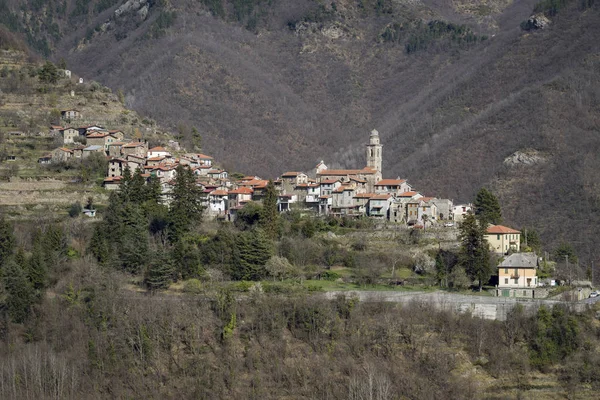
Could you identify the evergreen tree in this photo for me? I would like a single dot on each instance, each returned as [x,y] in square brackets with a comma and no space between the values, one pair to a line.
[99,244]
[137,190]
[19,292]
[7,240]
[474,253]
[133,240]
[159,272]
[48,73]
[185,209]
[254,249]
[186,258]
[270,215]
[487,208]
[37,271]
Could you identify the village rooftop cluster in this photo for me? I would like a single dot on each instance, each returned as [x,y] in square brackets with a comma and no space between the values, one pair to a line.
[336,192]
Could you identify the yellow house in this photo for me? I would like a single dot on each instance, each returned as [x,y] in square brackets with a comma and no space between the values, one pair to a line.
[517,275]
[503,239]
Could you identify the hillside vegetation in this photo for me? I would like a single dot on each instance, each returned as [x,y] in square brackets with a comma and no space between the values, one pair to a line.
[455,88]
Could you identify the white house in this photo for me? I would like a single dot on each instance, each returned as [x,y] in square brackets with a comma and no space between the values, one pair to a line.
[459,211]
[393,186]
[158,152]
[217,201]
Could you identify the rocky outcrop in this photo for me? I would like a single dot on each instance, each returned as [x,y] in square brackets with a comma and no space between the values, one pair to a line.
[536,21]
[524,158]
[130,5]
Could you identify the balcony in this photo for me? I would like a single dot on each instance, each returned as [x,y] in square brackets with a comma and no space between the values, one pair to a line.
[515,276]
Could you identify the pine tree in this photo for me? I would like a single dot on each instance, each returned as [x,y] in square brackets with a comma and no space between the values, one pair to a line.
[270,215]
[185,209]
[133,242]
[99,245]
[254,249]
[487,208]
[137,190]
[186,259]
[474,253]
[7,240]
[19,292]
[159,272]
[37,271]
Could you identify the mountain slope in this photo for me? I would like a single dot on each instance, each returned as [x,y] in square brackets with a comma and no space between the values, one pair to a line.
[280,85]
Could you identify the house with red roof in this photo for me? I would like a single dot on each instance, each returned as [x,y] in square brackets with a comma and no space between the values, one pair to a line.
[392,186]
[158,151]
[379,205]
[503,239]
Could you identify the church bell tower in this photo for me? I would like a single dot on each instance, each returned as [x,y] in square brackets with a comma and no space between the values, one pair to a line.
[374,156]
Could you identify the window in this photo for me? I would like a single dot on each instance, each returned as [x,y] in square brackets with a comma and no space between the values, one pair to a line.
[516,272]
[497,237]
[506,271]
[506,281]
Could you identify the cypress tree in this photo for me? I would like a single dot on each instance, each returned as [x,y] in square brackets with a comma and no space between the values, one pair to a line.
[133,242]
[474,253]
[487,208]
[270,215]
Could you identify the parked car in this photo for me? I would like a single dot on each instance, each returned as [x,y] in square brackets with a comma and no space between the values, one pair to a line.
[594,294]
[448,224]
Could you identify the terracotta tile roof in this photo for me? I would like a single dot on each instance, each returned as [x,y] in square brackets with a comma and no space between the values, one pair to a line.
[157,148]
[219,193]
[116,144]
[381,197]
[499,229]
[340,172]
[134,144]
[408,194]
[364,195]
[203,156]
[56,127]
[242,190]
[97,135]
[343,189]
[65,149]
[156,158]
[113,131]
[390,182]
[329,181]
[113,179]
[290,174]
[324,197]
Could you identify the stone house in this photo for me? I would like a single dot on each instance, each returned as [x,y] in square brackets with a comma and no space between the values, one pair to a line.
[116,167]
[517,275]
[138,148]
[62,154]
[93,149]
[379,206]
[329,185]
[444,208]
[112,183]
[239,197]
[69,135]
[70,114]
[78,151]
[290,180]
[361,202]
[343,200]
[47,159]
[392,186]
[103,139]
[217,174]
[204,159]
[285,201]
[325,203]
[115,149]
[503,239]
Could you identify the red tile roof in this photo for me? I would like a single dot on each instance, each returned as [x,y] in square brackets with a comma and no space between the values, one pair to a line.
[157,148]
[381,197]
[242,190]
[364,195]
[219,192]
[390,182]
[204,157]
[499,229]
[329,181]
[408,194]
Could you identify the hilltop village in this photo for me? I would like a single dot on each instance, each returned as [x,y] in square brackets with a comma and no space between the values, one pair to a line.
[339,192]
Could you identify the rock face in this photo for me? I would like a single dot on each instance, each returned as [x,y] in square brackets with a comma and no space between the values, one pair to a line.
[131,5]
[536,21]
[525,158]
